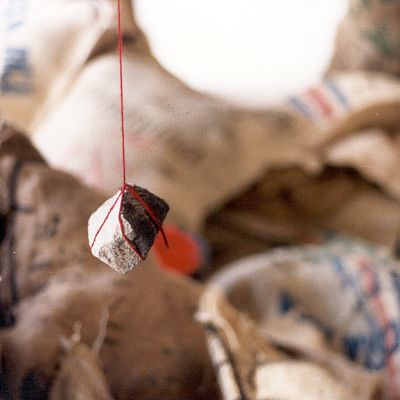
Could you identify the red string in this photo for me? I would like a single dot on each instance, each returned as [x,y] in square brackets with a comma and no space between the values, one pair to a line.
[124,185]
[158,224]
[105,219]
[121,93]
[131,245]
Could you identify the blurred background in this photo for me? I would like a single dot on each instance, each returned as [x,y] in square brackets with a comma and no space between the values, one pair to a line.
[286,197]
[215,46]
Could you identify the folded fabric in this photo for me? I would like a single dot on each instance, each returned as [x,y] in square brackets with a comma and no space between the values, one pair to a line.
[314,304]
[151,346]
[368,37]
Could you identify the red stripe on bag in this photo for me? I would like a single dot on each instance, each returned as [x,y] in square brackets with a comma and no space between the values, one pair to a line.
[321,101]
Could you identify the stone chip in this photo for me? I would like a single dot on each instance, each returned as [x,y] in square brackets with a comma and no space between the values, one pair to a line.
[122,251]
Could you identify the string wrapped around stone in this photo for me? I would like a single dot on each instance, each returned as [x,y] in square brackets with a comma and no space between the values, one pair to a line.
[122,230]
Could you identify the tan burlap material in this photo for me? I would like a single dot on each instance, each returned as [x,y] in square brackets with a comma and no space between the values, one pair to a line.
[152,347]
[248,179]
[249,367]
[301,309]
[354,188]
[368,38]
[45,45]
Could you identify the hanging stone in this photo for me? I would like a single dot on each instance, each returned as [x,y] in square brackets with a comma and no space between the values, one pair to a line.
[123,229]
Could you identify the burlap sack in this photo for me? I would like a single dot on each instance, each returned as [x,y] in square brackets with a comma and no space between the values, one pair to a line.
[50,281]
[43,46]
[191,149]
[250,366]
[355,188]
[197,152]
[368,38]
[311,302]
[348,101]
[80,375]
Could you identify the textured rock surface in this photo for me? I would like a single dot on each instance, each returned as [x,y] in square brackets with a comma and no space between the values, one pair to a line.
[110,246]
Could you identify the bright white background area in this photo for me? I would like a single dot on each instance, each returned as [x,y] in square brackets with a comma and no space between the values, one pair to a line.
[249,51]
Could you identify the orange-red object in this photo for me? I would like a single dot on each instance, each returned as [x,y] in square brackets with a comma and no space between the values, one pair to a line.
[184,254]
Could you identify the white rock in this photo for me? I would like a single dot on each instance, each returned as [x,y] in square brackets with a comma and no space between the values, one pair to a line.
[109,245]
